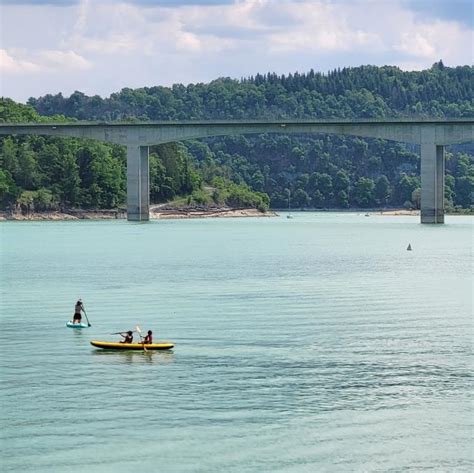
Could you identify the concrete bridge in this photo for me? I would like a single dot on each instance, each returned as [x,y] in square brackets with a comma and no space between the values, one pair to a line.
[431,134]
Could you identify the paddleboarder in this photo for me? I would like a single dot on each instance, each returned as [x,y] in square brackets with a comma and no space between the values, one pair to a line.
[79,307]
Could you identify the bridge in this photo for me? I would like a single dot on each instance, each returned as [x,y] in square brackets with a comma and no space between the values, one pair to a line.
[431,134]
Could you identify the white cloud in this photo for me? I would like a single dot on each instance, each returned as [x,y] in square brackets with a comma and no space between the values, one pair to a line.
[114,43]
[415,44]
[59,60]
[12,65]
[41,61]
[124,43]
[436,40]
[127,28]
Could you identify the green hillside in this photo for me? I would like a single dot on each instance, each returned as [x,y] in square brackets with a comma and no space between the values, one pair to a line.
[318,171]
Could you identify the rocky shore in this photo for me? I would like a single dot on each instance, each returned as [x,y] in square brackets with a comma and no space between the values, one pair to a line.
[156,212]
[170,212]
[65,215]
[164,212]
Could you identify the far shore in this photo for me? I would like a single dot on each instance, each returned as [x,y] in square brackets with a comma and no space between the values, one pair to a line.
[162,212]
[156,213]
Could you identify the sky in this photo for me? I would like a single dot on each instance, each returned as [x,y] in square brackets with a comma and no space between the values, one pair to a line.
[101,46]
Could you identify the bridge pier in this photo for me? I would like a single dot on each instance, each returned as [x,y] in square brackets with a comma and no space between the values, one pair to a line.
[138,183]
[432,183]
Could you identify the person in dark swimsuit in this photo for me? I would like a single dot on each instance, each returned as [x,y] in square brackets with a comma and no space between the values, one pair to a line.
[148,339]
[78,308]
[127,338]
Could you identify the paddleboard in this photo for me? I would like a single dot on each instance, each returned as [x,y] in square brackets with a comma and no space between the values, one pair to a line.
[81,325]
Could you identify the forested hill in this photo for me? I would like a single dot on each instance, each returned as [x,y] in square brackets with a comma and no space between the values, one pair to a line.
[318,171]
[362,92]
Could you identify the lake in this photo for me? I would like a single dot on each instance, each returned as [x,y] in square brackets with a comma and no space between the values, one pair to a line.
[317,343]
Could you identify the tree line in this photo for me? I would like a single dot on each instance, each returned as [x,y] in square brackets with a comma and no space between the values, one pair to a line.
[46,173]
[315,171]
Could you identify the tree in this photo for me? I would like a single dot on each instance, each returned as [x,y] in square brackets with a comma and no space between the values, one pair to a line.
[342,181]
[158,189]
[69,181]
[449,189]
[25,202]
[102,176]
[342,199]
[8,189]
[321,182]
[318,199]
[43,199]
[416,198]
[382,190]
[405,187]
[325,185]
[258,181]
[26,174]
[11,111]
[364,194]
[465,191]
[241,196]
[300,199]
[8,155]
[180,176]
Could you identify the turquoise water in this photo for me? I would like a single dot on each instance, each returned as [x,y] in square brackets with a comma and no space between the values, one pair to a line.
[312,344]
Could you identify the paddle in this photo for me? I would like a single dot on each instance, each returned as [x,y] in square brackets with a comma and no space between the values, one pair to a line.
[88,323]
[139,330]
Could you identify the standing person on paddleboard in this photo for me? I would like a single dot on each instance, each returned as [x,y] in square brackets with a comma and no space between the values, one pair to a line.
[79,307]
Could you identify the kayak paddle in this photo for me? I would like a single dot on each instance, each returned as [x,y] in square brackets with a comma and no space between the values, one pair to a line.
[139,330]
[88,323]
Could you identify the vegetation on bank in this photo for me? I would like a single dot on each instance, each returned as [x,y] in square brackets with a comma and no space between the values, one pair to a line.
[316,171]
[44,173]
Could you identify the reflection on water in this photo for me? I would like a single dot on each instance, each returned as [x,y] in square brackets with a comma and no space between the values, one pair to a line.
[129,356]
[78,332]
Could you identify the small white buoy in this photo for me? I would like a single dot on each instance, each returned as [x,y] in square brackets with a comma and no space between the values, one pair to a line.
[409,247]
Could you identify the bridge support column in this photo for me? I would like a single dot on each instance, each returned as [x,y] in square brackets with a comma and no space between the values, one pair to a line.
[432,183]
[138,183]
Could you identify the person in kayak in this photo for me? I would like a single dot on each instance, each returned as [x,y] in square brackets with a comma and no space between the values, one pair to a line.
[148,339]
[77,312]
[127,338]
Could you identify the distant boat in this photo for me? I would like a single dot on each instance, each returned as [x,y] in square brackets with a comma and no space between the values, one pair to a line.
[409,247]
[367,215]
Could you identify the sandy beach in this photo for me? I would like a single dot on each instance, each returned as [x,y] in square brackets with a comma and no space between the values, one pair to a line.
[395,212]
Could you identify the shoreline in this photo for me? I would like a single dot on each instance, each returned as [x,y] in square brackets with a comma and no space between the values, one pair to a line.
[160,212]
[168,214]
[156,213]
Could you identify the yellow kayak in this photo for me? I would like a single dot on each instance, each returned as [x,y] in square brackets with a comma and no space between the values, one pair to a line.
[132,346]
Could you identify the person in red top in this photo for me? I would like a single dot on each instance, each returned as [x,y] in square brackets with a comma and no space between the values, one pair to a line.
[148,339]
